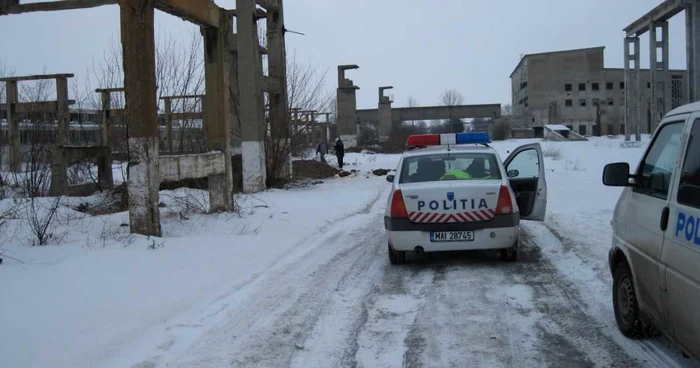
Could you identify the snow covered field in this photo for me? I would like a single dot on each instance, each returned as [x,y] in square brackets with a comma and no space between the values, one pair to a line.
[300,277]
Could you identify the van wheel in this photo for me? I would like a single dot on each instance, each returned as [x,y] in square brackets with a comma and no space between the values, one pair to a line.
[625,303]
[510,254]
[396,257]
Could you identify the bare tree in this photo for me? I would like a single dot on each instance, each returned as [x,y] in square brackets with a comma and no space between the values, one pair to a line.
[411,102]
[451,97]
[507,109]
[306,91]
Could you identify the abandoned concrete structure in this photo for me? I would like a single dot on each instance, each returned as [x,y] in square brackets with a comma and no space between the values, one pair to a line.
[385,117]
[220,114]
[574,88]
[665,90]
[346,104]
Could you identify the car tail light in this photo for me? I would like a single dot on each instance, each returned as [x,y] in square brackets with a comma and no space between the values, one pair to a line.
[505,203]
[398,207]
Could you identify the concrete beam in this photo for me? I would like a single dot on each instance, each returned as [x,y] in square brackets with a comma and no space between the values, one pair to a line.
[181,167]
[200,12]
[140,91]
[435,112]
[662,12]
[181,97]
[110,90]
[14,7]
[36,77]
[38,106]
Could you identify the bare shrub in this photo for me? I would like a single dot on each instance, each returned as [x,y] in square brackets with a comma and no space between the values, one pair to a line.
[570,165]
[552,152]
[41,219]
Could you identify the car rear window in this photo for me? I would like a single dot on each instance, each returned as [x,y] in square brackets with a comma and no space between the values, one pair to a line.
[450,166]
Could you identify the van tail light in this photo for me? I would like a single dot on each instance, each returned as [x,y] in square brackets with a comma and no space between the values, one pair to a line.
[398,207]
[505,203]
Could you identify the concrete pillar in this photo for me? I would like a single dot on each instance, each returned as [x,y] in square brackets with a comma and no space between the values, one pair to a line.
[168,106]
[384,114]
[654,77]
[346,105]
[104,165]
[13,126]
[631,87]
[251,98]
[277,71]
[216,111]
[59,166]
[660,80]
[140,92]
[666,75]
[692,37]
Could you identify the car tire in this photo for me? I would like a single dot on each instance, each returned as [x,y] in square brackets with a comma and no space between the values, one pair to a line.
[510,254]
[625,304]
[396,257]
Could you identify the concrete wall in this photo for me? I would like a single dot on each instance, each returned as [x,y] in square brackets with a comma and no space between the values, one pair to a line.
[545,97]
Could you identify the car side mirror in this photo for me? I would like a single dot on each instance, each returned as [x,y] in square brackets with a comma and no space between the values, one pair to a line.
[617,175]
[513,173]
[390,178]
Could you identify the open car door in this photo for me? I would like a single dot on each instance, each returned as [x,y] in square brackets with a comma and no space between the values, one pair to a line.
[525,169]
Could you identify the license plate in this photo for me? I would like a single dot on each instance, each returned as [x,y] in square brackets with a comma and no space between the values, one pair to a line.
[451,236]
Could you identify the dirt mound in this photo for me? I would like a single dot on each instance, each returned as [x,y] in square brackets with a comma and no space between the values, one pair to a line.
[311,169]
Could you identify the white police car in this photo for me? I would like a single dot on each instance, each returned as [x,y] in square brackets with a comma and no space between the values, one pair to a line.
[452,192]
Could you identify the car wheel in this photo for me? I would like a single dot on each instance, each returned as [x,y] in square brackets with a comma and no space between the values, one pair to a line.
[510,254]
[625,303]
[396,257]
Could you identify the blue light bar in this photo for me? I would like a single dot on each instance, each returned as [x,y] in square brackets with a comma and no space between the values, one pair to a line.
[473,137]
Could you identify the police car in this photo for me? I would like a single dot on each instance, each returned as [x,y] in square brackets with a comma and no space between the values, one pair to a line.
[655,253]
[452,192]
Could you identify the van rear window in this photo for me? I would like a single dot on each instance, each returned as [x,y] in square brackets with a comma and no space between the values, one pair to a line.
[450,166]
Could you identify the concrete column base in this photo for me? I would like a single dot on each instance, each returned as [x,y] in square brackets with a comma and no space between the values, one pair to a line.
[254,168]
[142,186]
[59,174]
[221,188]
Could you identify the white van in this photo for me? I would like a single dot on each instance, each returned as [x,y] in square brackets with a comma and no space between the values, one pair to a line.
[655,255]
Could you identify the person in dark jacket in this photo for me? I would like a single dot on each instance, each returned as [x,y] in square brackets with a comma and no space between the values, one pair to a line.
[339,151]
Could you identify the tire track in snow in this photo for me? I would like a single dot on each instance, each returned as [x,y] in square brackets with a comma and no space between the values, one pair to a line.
[580,281]
[268,320]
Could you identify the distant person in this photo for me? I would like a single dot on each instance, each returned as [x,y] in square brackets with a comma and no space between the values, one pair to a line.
[322,150]
[339,151]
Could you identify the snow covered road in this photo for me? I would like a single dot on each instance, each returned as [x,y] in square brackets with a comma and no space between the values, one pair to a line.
[302,279]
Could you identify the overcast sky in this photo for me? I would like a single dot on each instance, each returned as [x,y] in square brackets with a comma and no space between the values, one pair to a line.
[421,47]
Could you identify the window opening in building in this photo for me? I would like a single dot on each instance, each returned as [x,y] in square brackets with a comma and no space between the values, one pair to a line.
[582,102]
[568,103]
[609,86]
[582,86]
[567,87]
[595,86]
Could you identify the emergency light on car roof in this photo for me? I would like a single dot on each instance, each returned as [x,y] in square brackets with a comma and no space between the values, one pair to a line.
[424,140]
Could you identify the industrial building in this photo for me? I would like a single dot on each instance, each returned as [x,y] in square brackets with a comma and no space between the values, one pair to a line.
[574,88]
